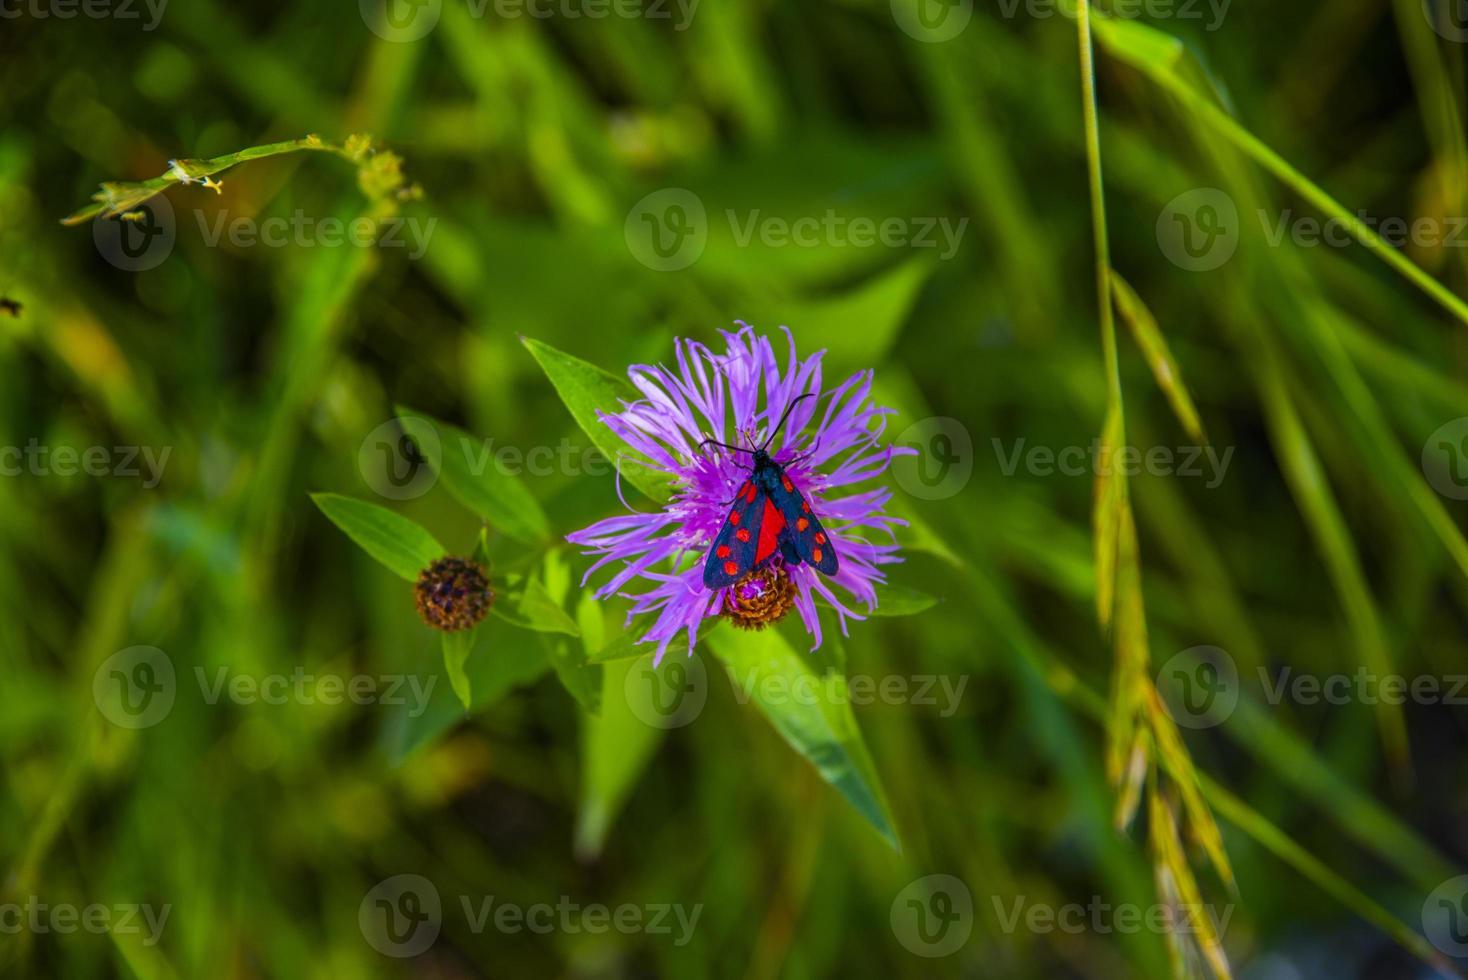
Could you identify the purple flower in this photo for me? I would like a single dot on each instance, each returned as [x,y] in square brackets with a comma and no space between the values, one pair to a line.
[829,443]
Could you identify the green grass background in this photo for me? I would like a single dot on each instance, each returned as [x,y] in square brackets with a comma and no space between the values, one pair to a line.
[263,369]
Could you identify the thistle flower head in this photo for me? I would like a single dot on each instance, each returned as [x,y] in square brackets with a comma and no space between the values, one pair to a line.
[829,445]
[761,598]
[453,594]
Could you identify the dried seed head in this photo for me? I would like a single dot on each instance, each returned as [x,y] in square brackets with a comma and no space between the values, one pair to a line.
[760,598]
[453,594]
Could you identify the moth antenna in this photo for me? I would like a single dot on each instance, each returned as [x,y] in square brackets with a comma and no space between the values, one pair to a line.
[788,409]
[722,445]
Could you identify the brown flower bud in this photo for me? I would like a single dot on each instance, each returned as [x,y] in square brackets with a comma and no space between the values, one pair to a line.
[453,594]
[760,598]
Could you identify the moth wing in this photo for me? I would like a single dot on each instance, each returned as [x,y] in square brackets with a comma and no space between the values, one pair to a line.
[733,553]
[803,536]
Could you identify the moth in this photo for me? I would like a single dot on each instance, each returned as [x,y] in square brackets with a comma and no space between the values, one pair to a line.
[769,515]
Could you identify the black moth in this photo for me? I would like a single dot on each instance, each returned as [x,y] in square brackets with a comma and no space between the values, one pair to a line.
[769,514]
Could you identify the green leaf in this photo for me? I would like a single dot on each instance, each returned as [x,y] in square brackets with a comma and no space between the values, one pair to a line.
[118,197]
[1149,337]
[466,467]
[456,649]
[539,611]
[500,666]
[615,744]
[402,545]
[899,600]
[881,305]
[766,669]
[581,679]
[586,389]
[542,613]
[624,646]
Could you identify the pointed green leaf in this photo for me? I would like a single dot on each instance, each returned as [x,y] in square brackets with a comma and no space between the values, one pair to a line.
[616,745]
[586,389]
[899,600]
[881,305]
[467,468]
[767,670]
[1134,314]
[402,545]
[542,613]
[456,648]
[501,665]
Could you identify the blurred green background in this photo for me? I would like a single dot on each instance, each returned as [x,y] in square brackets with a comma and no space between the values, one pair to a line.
[1331,541]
